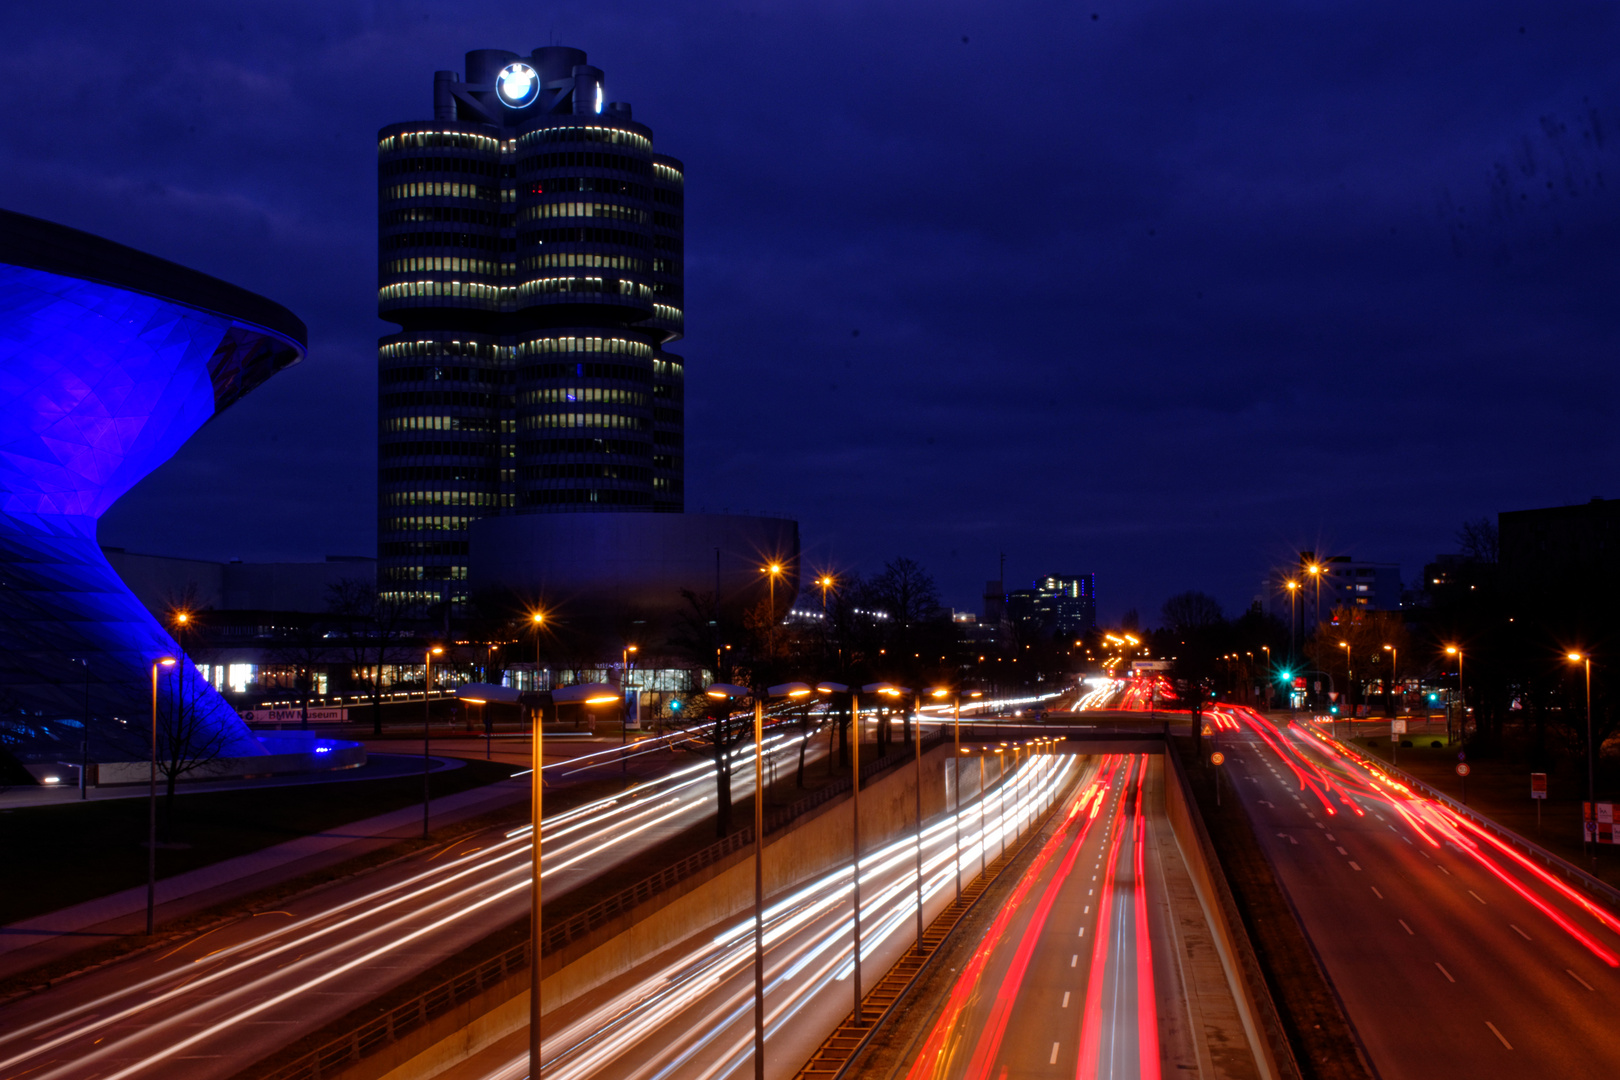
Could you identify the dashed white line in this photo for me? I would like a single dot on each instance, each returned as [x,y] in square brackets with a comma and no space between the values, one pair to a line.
[1331,840]
[1476,896]
[1073,960]
[1343,852]
[1577,978]
[1082,931]
[1498,1034]
[1376,893]
[1053,1059]
[1446,973]
[1085,912]
[1521,933]
[1354,865]
[1442,869]
[1408,929]
[1065,1004]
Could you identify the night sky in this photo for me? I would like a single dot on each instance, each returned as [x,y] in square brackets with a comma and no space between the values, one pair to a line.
[1163,291]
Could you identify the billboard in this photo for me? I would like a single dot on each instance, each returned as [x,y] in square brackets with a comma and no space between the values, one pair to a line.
[283,717]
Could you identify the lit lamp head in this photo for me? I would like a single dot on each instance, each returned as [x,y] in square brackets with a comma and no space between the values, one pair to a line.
[165,661]
[831,688]
[722,691]
[1451,650]
[536,618]
[789,690]
[1574,657]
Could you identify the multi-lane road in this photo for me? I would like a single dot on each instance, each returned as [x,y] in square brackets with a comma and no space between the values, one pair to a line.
[1454,956]
[219,1001]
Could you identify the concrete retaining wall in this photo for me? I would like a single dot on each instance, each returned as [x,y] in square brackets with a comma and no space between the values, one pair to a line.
[815,844]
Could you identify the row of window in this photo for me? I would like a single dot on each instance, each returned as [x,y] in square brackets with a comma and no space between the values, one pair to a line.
[468,166]
[606,395]
[482,350]
[614,286]
[585,419]
[667,313]
[448,189]
[591,134]
[541,211]
[459,215]
[448,374]
[446,423]
[406,548]
[669,369]
[442,498]
[452,474]
[579,344]
[450,140]
[425,573]
[584,160]
[625,372]
[449,264]
[555,185]
[554,260]
[550,447]
[667,221]
[475,241]
[427,523]
[667,174]
[407,398]
[577,496]
[629,473]
[586,236]
[466,290]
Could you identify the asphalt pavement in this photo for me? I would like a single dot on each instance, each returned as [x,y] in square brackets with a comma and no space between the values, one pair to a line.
[1452,958]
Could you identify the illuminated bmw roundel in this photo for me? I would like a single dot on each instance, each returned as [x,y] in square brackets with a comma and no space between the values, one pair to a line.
[517,85]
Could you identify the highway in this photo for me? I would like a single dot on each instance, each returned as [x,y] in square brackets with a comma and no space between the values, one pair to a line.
[1453,957]
[221,1000]
[689,1012]
[1089,969]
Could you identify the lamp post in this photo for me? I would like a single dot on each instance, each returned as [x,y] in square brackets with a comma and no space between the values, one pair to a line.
[1589,825]
[1315,570]
[151,803]
[956,767]
[1462,696]
[624,681]
[1293,636]
[1394,740]
[1267,649]
[722,692]
[1349,684]
[771,572]
[427,705]
[855,787]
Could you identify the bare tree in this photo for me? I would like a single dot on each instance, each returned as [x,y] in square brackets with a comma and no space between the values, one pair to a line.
[187,740]
[369,625]
[1478,540]
[1191,610]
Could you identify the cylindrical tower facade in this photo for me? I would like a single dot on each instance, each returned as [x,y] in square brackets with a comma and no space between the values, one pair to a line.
[530,249]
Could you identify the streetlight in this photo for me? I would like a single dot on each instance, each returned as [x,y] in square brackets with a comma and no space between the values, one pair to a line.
[584,693]
[1462,695]
[772,572]
[427,690]
[825,581]
[1349,683]
[624,681]
[151,807]
[1315,570]
[1267,649]
[537,619]
[1293,637]
[722,692]
[1394,740]
[956,758]
[1591,784]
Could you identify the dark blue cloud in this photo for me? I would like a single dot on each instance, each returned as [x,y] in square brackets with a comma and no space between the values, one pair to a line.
[1163,294]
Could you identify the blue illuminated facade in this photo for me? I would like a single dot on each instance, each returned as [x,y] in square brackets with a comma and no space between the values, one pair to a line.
[110,360]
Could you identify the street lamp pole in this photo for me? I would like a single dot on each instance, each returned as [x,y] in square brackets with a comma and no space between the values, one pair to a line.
[427,705]
[536,796]
[1588,825]
[1349,685]
[1394,739]
[151,803]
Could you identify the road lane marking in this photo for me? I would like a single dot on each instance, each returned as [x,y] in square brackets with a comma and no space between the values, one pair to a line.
[1376,893]
[1498,1034]
[1082,931]
[1343,852]
[1577,978]
[1053,1059]
[1521,933]
[1087,911]
[1065,1004]
[1073,960]
[1288,838]
[1442,869]
[1354,865]
[1408,929]
[1447,974]
[1476,896]
[1330,837]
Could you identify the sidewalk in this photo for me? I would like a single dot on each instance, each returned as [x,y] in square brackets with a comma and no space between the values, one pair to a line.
[32,942]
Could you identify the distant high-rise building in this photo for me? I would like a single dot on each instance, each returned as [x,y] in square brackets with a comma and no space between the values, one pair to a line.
[530,250]
[1058,605]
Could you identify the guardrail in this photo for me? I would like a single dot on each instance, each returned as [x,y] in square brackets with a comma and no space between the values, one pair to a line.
[332,1058]
[1556,862]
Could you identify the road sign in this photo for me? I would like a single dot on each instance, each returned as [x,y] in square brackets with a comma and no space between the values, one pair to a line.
[1208,730]
[1538,785]
[1463,768]
[1397,727]
[1601,823]
[1333,695]
[1217,758]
